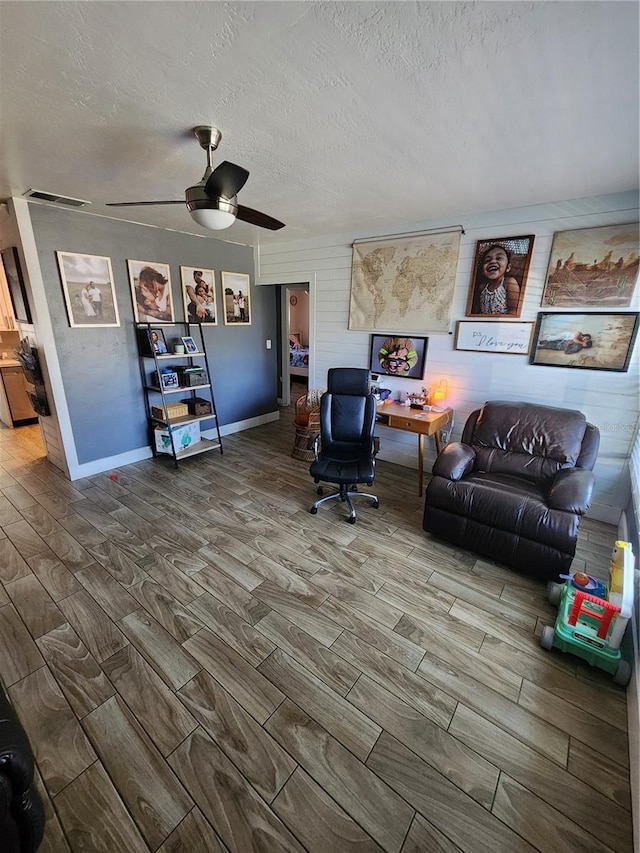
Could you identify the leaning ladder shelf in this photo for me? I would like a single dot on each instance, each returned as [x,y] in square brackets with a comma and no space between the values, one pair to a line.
[160,393]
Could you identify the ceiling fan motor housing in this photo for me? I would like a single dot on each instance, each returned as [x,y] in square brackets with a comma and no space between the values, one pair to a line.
[197,199]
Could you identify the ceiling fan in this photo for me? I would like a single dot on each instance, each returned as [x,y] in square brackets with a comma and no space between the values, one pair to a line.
[212,202]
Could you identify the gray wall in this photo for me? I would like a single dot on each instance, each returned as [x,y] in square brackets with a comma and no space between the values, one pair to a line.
[100,368]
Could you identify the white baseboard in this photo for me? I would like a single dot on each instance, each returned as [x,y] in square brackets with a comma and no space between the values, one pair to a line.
[99,466]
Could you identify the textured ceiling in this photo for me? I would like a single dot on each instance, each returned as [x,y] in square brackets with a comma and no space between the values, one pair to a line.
[350,116]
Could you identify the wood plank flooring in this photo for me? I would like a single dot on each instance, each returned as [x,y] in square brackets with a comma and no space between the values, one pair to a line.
[203,666]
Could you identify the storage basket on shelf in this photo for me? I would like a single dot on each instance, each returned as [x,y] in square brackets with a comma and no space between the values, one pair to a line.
[174,410]
[306,423]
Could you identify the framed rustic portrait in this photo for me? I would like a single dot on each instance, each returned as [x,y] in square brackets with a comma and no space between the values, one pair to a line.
[494,336]
[398,355]
[593,341]
[89,293]
[593,267]
[199,295]
[15,283]
[151,292]
[235,291]
[499,276]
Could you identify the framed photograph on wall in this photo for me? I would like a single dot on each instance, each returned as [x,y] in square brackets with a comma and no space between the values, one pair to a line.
[499,276]
[89,292]
[593,341]
[593,267]
[151,292]
[494,336]
[199,295]
[15,283]
[397,355]
[235,293]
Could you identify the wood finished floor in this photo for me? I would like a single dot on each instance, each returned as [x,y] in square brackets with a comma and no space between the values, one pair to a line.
[203,666]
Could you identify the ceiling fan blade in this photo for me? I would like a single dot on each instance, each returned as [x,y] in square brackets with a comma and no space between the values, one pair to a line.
[254,217]
[226,180]
[138,203]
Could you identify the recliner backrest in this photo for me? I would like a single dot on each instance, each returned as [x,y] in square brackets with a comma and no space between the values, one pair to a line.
[526,440]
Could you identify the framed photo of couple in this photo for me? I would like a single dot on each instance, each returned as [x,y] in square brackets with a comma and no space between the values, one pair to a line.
[89,292]
[594,340]
[235,292]
[199,295]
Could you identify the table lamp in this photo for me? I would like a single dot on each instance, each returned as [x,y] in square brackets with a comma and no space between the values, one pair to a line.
[439,396]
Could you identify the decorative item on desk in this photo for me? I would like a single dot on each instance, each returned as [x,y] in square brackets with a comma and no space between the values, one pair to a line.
[439,396]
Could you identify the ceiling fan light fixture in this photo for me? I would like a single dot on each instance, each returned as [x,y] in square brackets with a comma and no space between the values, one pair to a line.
[214,219]
[212,213]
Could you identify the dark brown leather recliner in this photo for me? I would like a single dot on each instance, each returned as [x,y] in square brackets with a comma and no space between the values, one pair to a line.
[515,486]
[22,815]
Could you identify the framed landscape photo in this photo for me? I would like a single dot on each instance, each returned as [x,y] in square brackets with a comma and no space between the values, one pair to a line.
[398,355]
[151,291]
[199,295]
[499,276]
[494,336]
[592,341]
[593,268]
[89,293]
[190,345]
[15,283]
[235,293]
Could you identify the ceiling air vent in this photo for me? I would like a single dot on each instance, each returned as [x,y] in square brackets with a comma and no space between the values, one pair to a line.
[51,198]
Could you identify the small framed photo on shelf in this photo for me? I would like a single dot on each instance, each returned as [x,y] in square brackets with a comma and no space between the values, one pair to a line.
[168,380]
[190,345]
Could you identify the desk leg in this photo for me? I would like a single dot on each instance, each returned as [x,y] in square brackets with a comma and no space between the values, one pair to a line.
[436,436]
[420,462]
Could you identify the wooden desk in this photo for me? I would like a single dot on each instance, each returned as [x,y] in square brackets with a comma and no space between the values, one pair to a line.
[396,416]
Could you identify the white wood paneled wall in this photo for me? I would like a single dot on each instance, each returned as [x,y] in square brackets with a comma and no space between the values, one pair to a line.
[609,400]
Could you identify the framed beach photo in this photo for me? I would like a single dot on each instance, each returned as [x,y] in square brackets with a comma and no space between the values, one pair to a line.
[89,293]
[235,293]
[15,283]
[151,291]
[190,345]
[499,276]
[593,267]
[398,355]
[199,295]
[592,341]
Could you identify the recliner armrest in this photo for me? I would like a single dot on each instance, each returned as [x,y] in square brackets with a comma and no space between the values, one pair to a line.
[455,461]
[571,490]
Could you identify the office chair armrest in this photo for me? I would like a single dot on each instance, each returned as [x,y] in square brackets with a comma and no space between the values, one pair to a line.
[571,490]
[455,461]
[313,443]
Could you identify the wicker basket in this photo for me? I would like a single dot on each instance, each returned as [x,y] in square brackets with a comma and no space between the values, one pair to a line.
[174,410]
[306,423]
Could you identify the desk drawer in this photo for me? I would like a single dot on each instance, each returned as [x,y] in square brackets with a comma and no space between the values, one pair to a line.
[412,425]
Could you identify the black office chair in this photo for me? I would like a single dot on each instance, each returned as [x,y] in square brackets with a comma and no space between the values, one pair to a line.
[346,447]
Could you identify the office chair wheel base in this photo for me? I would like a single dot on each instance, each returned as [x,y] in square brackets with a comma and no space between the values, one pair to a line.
[375,504]
[314,510]
[351,519]
[319,490]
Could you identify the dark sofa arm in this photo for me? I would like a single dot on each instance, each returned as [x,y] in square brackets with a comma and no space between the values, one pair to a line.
[455,461]
[21,811]
[571,490]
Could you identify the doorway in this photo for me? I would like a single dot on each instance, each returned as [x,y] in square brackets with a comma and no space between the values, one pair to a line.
[296,343]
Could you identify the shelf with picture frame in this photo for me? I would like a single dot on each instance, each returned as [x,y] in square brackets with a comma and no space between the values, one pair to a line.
[174,425]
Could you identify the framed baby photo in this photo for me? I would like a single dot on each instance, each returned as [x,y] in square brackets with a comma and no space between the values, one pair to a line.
[593,267]
[235,293]
[499,276]
[89,292]
[190,345]
[398,355]
[151,291]
[591,341]
[199,295]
